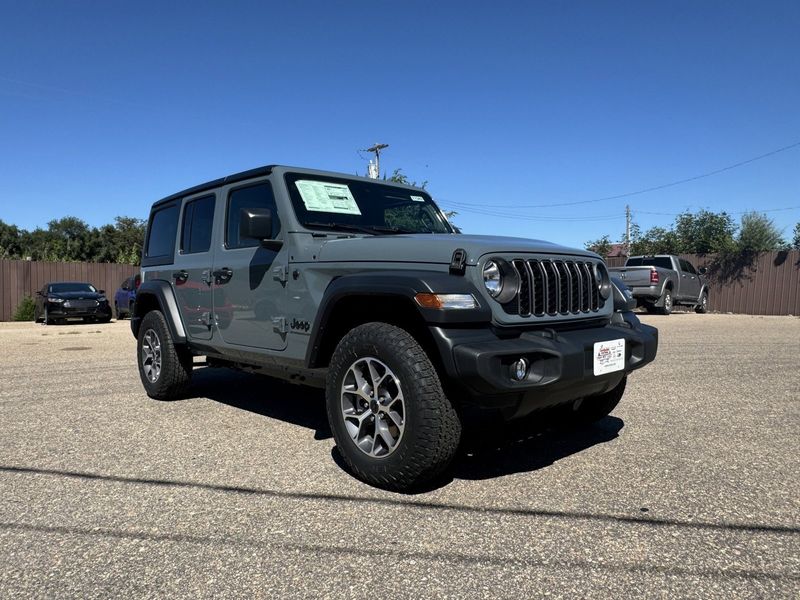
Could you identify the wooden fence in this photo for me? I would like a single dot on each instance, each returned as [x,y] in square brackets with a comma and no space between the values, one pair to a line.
[20,278]
[767,285]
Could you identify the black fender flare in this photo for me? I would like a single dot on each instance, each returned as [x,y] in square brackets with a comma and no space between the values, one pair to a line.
[160,292]
[404,284]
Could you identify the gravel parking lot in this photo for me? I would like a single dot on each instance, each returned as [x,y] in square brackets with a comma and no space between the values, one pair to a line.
[691,487]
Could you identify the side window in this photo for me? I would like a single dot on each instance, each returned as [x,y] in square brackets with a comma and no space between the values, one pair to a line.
[161,234]
[254,196]
[690,268]
[198,218]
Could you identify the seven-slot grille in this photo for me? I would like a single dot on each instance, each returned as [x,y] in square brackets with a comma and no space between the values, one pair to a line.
[552,287]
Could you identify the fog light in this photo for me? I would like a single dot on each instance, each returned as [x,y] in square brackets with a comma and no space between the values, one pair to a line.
[519,369]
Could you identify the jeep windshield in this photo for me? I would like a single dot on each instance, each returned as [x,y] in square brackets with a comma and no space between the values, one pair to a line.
[356,206]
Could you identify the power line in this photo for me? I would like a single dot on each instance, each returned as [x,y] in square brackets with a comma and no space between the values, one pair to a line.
[648,189]
[740,212]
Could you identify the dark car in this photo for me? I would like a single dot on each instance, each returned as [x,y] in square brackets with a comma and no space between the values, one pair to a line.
[125,296]
[56,302]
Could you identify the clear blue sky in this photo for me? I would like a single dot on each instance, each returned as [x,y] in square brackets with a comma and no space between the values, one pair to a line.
[107,106]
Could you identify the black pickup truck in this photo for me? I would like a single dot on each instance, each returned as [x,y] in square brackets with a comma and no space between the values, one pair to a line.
[659,283]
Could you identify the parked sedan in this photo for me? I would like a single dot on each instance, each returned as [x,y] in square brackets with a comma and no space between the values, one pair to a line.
[125,296]
[57,302]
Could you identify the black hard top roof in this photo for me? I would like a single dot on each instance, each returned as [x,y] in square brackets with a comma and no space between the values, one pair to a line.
[266,170]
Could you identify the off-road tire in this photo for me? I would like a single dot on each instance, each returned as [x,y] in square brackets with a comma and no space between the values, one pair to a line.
[702,306]
[594,408]
[176,363]
[667,302]
[432,429]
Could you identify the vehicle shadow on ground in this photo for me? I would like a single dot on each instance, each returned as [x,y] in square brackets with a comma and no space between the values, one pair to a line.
[490,448]
[265,396]
[527,445]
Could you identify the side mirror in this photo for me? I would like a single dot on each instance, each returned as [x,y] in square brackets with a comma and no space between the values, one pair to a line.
[256,224]
[702,270]
[101,291]
[38,292]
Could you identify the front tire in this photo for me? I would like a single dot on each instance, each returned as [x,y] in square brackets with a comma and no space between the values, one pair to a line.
[391,420]
[165,370]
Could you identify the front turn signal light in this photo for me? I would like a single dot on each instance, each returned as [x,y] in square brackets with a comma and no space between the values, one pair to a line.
[446,301]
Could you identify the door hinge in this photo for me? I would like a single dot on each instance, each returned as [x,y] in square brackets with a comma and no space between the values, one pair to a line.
[281,273]
[279,324]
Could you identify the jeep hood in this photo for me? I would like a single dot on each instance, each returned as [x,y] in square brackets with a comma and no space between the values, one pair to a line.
[433,248]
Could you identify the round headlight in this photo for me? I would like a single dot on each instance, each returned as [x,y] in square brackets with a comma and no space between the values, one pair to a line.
[492,278]
[603,280]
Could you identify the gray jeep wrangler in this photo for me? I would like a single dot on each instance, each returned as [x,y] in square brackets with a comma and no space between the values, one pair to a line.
[361,287]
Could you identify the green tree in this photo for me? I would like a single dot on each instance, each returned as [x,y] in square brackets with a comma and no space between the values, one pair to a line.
[656,240]
[10,241]
[758,233]
[71,239]
[796,239]
[705,232]
[601,246]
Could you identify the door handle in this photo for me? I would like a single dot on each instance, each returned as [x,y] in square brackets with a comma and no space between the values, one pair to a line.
[180,276]
[223,275]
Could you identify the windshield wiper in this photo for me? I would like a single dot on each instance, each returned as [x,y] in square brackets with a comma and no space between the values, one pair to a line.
[388,229]
[371,229]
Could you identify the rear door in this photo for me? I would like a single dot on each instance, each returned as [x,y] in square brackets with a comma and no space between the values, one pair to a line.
[249,280]
[192,279]
[690,281]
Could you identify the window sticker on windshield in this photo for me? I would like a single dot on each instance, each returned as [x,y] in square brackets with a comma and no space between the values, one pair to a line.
[322,196]
[418,198]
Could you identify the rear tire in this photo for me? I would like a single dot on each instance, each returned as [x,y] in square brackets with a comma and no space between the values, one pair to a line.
[702,306]
[165,370]
[392,422]
[666,302]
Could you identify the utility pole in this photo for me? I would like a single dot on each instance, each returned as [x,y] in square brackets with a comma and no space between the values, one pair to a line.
[375,171]
[627,230]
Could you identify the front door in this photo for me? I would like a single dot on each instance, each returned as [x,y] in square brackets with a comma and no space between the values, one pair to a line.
[690,281]
[249,280]
[192,280]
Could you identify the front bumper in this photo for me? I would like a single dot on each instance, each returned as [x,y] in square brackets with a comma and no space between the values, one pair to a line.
[561,371]
[59,311]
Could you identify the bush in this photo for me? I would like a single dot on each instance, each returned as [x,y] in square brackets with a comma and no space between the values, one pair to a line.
[24,311]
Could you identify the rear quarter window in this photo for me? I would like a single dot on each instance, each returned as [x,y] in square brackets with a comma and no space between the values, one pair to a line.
[650,261]
[161,234]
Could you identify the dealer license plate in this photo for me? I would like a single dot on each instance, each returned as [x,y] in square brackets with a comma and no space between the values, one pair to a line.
[609,356]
